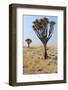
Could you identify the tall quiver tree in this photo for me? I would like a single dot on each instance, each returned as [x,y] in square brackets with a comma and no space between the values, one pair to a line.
[43,29]
[28,42]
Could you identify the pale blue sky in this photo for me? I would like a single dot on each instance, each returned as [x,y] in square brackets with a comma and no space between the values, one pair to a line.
[29,33]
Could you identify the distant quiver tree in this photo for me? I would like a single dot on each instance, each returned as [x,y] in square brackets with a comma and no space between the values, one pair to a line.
[43,29]
[28,42]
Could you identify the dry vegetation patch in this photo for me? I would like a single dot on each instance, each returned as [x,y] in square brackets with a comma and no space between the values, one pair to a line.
[34,62]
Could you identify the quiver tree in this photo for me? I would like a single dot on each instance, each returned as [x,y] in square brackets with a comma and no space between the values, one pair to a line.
[43,29]
[28,42]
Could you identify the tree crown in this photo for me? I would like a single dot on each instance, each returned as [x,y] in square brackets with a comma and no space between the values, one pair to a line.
[43,29]
[28,40]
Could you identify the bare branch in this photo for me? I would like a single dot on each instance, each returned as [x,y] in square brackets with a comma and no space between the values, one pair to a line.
[51,29]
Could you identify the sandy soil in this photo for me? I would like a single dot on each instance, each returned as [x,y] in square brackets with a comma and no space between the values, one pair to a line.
[34,62]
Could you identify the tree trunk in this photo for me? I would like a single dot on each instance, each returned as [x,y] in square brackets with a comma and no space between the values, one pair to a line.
[28,46]
[45,51]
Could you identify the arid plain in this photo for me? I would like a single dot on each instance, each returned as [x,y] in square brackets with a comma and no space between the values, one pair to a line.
[34,62]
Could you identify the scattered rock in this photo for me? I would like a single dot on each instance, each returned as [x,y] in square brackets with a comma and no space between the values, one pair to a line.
[39,69]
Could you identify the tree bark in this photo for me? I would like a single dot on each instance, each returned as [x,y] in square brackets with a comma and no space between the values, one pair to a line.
[28,46]
[45,51]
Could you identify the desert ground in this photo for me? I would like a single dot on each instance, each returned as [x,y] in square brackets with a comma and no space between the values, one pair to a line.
[34,62]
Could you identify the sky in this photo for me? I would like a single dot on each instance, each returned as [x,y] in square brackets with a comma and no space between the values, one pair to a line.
[29,32]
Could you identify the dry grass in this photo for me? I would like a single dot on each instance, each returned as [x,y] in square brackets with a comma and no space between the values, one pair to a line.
[34,62]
